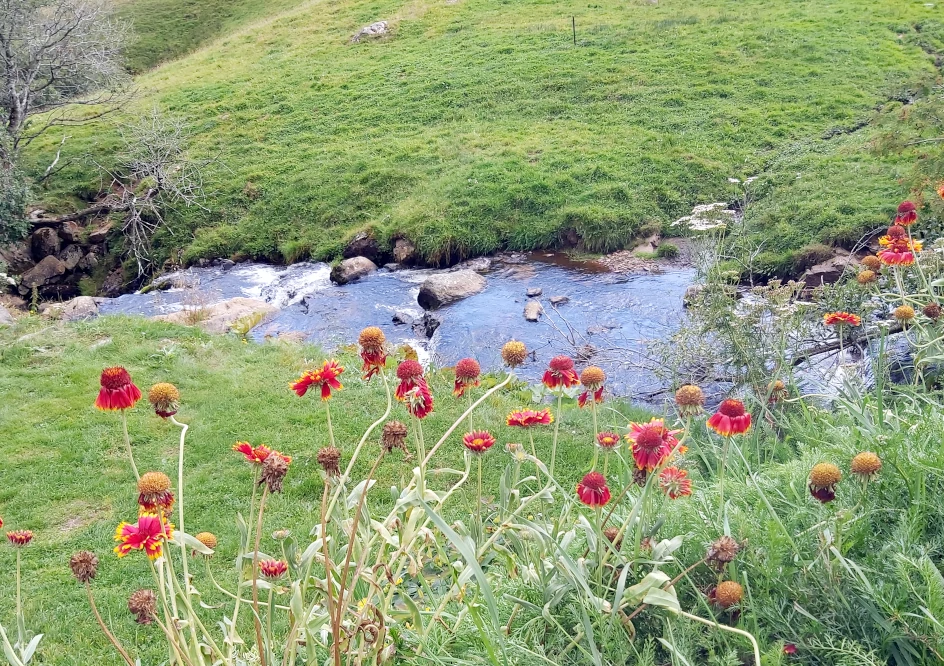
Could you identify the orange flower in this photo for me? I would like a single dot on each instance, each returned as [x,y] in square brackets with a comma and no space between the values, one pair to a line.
[560,372]
[118,391]
[154,492]
[651,443]
[326,377]
[525,418]
[147,534]
[846,318]
[907,213]
[607,440]
[730,419]
[20,538]
[467,375]
[373,352]
[273,569]
[593,491]
[675,483]
[478,441]
[256,455]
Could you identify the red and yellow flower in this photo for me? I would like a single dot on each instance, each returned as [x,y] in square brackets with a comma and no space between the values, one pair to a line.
[592,379]
[897,248]
[651,443]
[154,492]
[525,418]
[906,214]
[593,491]
[256,454]
[478,441]
[273,569]
[118,391]
[326,377]
[147,534]
[560,373]
[19,538]
[608,440]
[467,376]
[372,342]
[841,319]
[674,482]
[419,400]
[730,419]
[410,374]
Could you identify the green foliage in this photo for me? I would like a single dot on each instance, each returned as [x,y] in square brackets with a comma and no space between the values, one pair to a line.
[479,126]
[14,195]
[667,251]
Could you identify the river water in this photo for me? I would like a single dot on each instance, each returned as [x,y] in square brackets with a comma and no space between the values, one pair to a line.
[603,307]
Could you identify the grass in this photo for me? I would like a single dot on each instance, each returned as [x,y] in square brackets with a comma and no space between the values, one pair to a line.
[479,125]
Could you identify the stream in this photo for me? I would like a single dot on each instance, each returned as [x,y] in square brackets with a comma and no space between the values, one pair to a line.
[617,307]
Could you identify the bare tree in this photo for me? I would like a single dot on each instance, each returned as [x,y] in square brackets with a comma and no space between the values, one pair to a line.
[60,59]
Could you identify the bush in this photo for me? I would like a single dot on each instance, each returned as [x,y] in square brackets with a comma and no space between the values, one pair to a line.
[667,251]
[14,195]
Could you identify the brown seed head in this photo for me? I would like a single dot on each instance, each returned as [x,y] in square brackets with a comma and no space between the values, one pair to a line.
[394,436]
[84,565]
[371,338]
[690,400]
[330,460]
[613,536]
[165,398]
[592,377]
[728,593]
[866,277]
[932,311]
[904,313]
[274,469]
[866,465]
[871,262]
[514,353]
[153,483]
[723,550]
[824,475]
[143,604]
[208,539]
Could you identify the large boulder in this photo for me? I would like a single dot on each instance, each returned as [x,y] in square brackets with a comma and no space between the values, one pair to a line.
[829,271]
[45,272]
[71,232]
[219,317]
[100,233]
[352,269]
[363,245]
[44,242]
[377,29]
[113,284]
[80,307]
[17,257]
[444,288]
[404,252]
[71,255]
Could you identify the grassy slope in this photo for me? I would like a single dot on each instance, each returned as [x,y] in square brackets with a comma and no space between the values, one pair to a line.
[479,125]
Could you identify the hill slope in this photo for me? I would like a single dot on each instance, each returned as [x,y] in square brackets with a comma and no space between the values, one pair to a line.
[479,125]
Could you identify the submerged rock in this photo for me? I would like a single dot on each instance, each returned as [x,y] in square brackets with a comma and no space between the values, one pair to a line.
[445,288]
[426,325]
[533,292]
[533,310]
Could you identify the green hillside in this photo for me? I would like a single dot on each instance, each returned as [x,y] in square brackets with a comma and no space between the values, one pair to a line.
[479,125]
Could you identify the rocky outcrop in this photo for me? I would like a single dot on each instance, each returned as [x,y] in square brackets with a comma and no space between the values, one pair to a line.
[71,255]
[829,271]
[404,252]
[100,233]
[377,29]
[71,232]
[445,288]
[44,242]
[48,271]
[533,310]
[81,307]
[352,269]
[363,245]
[219,317]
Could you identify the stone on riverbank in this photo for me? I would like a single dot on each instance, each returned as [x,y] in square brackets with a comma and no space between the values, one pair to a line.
[445,288]
[219,317]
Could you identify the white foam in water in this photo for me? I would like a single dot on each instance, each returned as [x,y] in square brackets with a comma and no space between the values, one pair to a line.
[286,286]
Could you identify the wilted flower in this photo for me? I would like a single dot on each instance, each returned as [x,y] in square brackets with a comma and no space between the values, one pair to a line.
[728,593]
[413,390]
[560,373]
[592,378]
[147,534]
[20,538]
[274,469]
[326,377]
[592,490]
[154,492]
[907,213]
[373,351]
[789,648]
[514,353]
[256,455]
[330,460]
[517,451]
[730,419]
[651,443]
[904,313]
[467,376]
[525,418]
[871,262]
[478,441]
[723,550]
[612,535]
[932,311]
[118,391]
[866,277]
[84,565]
[143,605]
[393,436]
[640,476]
[165,399]
[841,318]
[777,391]
[866,465]
[823,480]
[281,535]
[674,482]
[690,400]
[273,569]
[607,440]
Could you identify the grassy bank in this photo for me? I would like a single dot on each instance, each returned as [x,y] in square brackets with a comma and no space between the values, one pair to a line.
[479,125]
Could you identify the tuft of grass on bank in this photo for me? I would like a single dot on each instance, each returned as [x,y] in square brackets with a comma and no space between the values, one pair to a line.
[479,125]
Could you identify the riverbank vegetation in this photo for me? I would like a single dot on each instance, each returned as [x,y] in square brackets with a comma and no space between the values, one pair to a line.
[476,126]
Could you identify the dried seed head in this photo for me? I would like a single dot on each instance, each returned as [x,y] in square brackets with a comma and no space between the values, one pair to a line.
[866,465]
[514,353]
[84,565]
[613,536]
[867,276]
[165,398]
[592,377]
[640,475]
[153,483]
[274,469]
[932,311]
[143,605]
[728,593]
[371,338]
[330,460]
[393,436]
[904,313]
[690,400]
[722,551]
[208,539]
[871,262]
[825,474]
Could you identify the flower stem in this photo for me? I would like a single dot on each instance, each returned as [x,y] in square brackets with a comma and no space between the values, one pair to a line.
[330,427]
[596,431]
[20,622]
[724,459]
[478,499]
[124,429]
[108,634]
[733,630]
[560,402]
[255,579]
[534,452]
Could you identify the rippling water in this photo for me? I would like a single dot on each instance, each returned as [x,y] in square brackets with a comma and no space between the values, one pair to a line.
[602,306]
